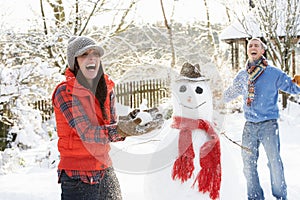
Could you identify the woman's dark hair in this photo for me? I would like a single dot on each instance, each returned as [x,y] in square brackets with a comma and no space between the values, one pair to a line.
[99,85]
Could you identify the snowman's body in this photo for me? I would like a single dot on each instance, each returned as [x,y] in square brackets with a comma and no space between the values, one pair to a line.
[193,100]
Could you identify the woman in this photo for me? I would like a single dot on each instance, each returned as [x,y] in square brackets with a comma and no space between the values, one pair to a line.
[84,106]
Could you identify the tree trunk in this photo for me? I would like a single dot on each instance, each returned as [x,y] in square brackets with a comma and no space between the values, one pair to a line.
[209,32]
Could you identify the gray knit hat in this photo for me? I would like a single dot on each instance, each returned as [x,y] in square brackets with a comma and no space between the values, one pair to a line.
[77,45]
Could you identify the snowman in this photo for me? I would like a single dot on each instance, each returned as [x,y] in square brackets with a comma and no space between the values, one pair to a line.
[195,169]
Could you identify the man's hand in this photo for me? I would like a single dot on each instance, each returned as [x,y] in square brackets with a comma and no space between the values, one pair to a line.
[296,79]
[131,125]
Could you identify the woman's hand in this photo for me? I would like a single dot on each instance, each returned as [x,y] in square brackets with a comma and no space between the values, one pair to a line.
[133,124]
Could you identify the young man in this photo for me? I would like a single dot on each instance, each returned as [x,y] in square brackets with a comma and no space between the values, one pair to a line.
[259,84]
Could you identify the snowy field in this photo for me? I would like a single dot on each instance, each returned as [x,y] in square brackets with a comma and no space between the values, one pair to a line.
[38,181]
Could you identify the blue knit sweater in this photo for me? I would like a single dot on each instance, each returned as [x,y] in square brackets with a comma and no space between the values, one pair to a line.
[264,107]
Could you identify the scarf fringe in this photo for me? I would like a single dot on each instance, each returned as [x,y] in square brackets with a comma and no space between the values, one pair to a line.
[184,165]
[209,177]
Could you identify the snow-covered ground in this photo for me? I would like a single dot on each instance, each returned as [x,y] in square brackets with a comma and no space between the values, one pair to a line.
[38,180]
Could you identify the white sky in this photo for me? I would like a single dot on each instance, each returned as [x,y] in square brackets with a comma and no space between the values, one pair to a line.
[14,13]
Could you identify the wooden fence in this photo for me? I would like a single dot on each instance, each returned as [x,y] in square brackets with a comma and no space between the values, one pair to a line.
[132,93]
[129,94]
[45,106]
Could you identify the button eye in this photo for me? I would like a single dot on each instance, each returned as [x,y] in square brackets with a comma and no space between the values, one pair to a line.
[199,90]
[182,88]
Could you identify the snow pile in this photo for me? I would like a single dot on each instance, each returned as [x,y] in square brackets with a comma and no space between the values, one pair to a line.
[11,160]
[35,144]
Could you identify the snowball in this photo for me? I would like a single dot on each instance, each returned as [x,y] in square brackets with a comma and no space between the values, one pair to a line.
[145,117]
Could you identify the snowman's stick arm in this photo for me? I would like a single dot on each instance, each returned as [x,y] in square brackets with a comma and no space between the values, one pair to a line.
[234,142]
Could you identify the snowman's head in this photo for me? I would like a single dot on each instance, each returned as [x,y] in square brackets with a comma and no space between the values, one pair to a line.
[191,94]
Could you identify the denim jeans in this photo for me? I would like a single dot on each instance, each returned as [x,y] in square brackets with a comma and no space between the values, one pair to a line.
[75,189]
[267,134]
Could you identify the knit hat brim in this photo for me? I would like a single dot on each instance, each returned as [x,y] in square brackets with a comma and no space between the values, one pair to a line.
[93,47]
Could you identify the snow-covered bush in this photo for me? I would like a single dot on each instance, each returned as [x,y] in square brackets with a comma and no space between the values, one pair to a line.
[21,86]
[27,126]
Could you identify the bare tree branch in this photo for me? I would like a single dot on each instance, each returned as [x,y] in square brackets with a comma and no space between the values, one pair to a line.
[89,17]
[170,34]
[119,28]
[45,27]
[209,33]
[76,17]
[59,11]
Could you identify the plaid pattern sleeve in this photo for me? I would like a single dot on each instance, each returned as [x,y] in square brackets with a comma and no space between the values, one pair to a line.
[77,118]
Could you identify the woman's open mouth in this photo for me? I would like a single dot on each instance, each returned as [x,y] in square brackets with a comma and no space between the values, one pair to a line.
[91,67]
